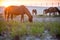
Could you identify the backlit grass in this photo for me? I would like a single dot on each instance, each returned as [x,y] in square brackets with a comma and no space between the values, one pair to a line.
[34,28]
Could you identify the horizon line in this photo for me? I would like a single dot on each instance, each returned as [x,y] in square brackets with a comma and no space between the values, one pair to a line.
[32,6]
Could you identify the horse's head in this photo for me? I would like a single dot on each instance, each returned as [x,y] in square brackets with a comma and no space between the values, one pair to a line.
[46,11]
[31,19]
[59,12]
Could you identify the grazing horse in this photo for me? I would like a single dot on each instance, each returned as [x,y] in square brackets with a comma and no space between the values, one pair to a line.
[53,10]
[34,11]
[45,11]
[17,10]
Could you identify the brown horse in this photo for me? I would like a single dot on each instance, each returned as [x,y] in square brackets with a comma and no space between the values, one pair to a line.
[34,11]
[53,10]
[17,10]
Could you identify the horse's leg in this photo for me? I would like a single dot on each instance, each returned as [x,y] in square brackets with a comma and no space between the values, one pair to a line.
[49,14]
[11,16]
[7,17]
[35,13]
[59,14]
[54,14]
[22,18]
[46,14]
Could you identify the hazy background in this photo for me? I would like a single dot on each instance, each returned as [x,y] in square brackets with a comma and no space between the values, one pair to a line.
[30,2]
[40,5]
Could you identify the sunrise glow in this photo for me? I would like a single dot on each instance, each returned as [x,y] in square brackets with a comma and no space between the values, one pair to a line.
[30,2]
[8,3]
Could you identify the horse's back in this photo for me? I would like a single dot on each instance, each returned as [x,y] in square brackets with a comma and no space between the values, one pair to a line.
[53,9]
[15,9]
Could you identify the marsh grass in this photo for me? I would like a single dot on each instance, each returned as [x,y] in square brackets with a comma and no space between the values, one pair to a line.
[35,28]
[2,26]
[47,16]
[55,27]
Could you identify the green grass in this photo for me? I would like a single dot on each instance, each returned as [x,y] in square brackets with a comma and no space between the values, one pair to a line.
[54,27]
[48,16]
[2,26]
[34,28]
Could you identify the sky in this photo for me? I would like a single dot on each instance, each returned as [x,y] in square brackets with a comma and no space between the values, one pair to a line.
[30,2]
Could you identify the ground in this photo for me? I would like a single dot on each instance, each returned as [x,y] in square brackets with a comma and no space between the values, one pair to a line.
[36,28]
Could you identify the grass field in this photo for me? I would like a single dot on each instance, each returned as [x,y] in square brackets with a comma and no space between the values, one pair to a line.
[35,28]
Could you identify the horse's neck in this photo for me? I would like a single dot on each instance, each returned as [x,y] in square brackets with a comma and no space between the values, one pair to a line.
[58,10]
[28,13]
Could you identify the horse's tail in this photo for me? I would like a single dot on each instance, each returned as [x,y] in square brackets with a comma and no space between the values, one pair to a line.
[58,10]
[5,14]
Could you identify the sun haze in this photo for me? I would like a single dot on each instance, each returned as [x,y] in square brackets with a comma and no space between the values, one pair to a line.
[30,2]
[7,3]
